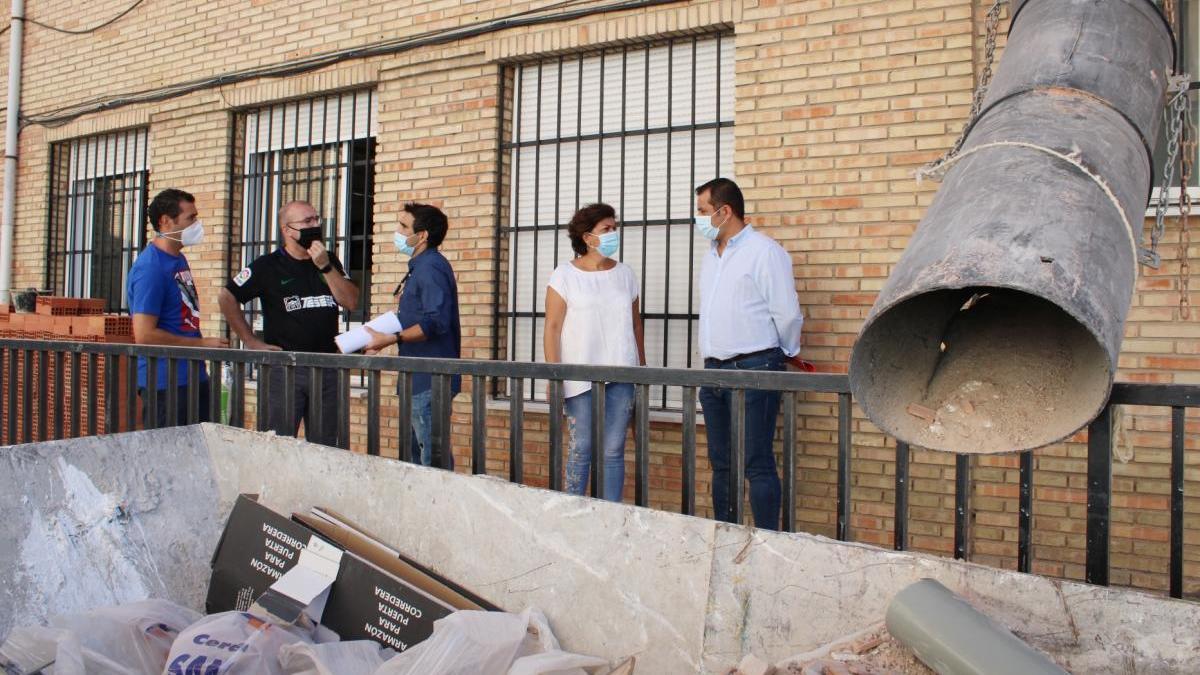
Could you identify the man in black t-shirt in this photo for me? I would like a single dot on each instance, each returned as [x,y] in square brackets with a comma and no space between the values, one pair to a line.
[302,287]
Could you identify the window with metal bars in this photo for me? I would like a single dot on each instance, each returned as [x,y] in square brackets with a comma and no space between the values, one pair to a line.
[97,214]
[319,150]
[637,127]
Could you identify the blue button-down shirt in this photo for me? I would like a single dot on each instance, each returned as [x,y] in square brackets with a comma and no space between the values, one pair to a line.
[748,299]
[430,300]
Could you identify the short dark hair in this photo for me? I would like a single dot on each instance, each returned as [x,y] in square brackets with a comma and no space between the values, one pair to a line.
[724,192]
[429,219]
[166,203]
[584,221]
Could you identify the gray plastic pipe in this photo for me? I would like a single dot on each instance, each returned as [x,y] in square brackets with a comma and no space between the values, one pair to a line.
[953,638]
[12,130]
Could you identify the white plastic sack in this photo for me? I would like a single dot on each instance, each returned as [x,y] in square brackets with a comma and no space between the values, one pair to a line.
[231,643]
[136,636]
[540,653]
[465,643]
[130,639]
[558,662]
[491,643]
[358,657]
[30,649]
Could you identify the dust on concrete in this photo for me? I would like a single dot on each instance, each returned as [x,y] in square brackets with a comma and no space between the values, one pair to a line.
[877,653]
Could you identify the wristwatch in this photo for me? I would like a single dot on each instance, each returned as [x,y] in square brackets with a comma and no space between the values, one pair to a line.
[326,269]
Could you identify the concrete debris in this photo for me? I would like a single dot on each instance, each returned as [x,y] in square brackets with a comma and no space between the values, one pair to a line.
[753,665]
[918,410]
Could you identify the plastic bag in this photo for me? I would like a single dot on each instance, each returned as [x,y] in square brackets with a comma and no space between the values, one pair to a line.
[359,657]
[231,643]
[491,643]
[136,636]
[131,639]
[465,643]
[558,662]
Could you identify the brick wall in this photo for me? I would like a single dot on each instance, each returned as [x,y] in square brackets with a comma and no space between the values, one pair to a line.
[838,102]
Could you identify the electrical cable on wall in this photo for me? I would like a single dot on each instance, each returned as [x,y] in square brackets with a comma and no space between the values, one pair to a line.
[81,31]
[532,17]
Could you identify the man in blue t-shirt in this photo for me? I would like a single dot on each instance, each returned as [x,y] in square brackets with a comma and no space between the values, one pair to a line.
[163,302]
[428,314]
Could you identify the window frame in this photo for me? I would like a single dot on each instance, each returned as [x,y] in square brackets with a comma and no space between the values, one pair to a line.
[513,304]
[83,171]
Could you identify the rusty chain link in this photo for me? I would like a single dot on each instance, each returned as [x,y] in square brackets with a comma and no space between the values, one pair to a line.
[936,168]
[1185,213]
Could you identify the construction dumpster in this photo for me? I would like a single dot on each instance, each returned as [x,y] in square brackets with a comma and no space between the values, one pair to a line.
[112,519]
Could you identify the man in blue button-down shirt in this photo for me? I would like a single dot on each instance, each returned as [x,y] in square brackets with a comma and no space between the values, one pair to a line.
[749,320]
[428,313]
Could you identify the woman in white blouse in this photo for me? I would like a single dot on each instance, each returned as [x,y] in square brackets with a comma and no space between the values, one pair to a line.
[592,317]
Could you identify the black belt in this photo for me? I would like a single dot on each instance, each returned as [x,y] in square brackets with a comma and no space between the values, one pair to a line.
[713,363]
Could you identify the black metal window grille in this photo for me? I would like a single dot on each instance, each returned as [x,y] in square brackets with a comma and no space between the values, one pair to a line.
[320,150]
[97,214]
[637,127]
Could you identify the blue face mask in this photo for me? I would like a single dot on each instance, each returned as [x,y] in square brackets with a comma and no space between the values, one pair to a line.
[609,243]
[705,227]
[402,244]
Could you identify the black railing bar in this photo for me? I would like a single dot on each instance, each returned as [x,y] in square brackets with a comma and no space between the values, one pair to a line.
[641,437]
[672,377]
[1178,431]
[373,389]
[599,411]
[688,498]
[479,425]
[737,456]
[789,462]
[556,435]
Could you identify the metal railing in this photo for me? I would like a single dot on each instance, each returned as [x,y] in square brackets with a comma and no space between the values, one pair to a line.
[58,357]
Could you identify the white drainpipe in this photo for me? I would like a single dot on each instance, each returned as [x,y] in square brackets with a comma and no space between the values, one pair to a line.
[12,130]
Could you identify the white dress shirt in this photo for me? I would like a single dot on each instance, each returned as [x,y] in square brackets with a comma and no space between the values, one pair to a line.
[748,299]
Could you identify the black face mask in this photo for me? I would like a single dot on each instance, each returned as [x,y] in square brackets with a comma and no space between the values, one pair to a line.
[308,235]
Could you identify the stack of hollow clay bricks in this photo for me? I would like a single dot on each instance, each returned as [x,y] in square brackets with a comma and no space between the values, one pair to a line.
[62,320]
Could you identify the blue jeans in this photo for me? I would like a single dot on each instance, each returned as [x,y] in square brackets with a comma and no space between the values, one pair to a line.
[618,407]
[762,407]
[422,427]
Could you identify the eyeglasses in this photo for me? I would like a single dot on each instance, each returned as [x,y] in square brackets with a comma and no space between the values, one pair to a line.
[311,221]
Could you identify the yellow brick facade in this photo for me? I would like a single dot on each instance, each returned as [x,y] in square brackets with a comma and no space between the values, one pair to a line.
[837,103]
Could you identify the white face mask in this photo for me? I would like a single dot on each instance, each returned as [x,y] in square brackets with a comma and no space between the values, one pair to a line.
[190,236]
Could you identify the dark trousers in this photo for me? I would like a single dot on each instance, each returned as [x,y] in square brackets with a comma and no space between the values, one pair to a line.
[181,407]
[286,422]
[762,407]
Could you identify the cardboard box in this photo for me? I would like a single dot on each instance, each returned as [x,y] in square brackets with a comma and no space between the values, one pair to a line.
[256,549]
[381,595]
[377,594]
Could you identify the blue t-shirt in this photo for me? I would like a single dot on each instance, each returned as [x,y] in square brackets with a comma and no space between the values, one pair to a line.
[161,285]
[430,298]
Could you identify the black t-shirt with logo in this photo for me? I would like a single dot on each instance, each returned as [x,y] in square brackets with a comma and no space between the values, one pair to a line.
[299,311]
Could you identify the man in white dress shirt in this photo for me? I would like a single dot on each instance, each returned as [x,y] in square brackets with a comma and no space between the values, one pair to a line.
[749,320]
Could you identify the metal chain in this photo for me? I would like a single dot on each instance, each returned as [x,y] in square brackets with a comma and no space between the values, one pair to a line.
[1185,213]
[935,169]
[1175,113]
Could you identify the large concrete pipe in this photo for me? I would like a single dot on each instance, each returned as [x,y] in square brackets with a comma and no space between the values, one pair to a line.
[999,328]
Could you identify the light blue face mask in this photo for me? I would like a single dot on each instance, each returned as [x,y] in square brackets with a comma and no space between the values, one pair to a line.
[609,243]
[402,244]
[705,227]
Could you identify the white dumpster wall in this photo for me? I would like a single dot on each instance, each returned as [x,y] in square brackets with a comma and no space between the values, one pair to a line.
[684,594]
[104,520]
